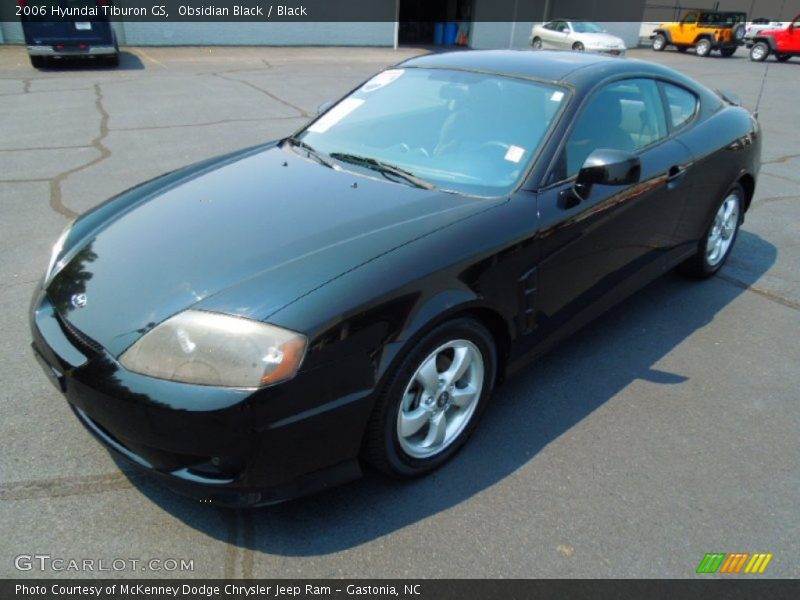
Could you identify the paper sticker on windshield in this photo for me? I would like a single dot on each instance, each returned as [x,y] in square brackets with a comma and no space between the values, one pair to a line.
[382,79]
[515,154]
[336,114]
[557,96]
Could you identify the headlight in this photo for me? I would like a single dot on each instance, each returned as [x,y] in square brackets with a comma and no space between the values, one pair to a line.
[213,349]
[55,252]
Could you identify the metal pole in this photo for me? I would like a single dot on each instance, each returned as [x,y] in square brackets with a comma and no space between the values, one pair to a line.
[397,24]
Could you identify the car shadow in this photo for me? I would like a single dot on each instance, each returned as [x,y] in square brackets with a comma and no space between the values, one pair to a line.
[128,61]
[531,410]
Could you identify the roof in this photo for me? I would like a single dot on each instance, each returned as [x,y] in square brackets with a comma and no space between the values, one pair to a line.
[547,65]
[540,64]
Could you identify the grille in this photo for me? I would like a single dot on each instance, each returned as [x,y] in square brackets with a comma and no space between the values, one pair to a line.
[83,341]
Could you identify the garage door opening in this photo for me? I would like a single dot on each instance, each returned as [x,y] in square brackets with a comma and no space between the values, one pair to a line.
[434,22]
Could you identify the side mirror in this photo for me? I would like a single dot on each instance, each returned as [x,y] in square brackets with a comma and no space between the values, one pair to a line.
[607,167]
[324,107]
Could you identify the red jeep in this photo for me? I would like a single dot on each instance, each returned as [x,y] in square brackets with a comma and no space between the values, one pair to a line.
[783,43]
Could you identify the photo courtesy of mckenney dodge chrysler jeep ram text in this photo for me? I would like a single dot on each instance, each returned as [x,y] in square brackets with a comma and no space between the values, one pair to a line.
[265,324]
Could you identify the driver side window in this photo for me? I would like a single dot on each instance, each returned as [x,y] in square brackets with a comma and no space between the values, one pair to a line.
[625,115]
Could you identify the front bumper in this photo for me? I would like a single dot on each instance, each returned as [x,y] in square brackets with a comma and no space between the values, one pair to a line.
[607,51]
[231,447]
[71,51]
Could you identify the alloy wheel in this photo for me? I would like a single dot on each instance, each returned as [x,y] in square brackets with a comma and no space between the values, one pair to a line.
[723,231]
[440,399]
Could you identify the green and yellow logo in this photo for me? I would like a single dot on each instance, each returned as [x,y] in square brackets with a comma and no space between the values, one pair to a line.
[720,562]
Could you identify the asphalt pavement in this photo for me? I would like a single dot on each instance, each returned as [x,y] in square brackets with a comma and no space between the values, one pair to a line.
[666,430]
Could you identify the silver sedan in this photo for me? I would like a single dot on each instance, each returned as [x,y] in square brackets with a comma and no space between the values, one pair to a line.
[576,35]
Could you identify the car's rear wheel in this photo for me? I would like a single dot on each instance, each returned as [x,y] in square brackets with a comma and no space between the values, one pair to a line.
[537,43]
[783,57]
[703,47]
[715,247]
[112,60]
[38,62]
[578,47]
[726,52]
[433,401]
[659,42]
[759,52]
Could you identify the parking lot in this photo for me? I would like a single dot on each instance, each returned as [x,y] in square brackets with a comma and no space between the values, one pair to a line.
[666,430]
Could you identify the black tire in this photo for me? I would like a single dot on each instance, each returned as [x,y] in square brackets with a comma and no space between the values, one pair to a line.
[578,47]
[111,60]
[536,43]
[739,32]
[727,52]
[659,42]
[782,57]
[382,448]
[759,52]
[38,62]
[698,265]
[703,47]
[682,49]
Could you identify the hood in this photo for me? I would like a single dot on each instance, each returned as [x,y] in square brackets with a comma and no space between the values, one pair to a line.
[269,223]
[601,39]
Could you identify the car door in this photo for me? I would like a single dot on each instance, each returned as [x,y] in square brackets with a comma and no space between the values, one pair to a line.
[793,36]
[563,35]
[687,30]
[549,33]
[596,251]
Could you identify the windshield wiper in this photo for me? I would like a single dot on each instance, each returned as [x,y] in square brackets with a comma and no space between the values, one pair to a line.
[383,168]
[293,141]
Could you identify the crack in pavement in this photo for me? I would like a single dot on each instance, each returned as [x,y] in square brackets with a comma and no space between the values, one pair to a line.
[221,74]
[56,197]
[761,292]
[220,122]
[769,199]
[780,159]
[58,487]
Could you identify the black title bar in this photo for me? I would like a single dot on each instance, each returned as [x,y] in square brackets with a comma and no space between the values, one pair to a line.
[385,589]
[255,11]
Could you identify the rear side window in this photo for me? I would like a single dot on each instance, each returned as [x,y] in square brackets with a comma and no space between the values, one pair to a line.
[681,104]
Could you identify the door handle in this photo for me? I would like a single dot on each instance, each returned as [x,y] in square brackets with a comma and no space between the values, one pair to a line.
[674,176]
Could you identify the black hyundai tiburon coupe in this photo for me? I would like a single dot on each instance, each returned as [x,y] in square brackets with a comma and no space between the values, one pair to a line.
[260,325]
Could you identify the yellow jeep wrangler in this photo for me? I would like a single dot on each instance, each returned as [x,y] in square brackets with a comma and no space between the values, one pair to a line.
[706,31]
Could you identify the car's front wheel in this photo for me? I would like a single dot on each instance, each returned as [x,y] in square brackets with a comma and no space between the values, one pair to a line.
[716,245]
[659,42]
[578,47]
[759,52]
[703,47]
[433,401]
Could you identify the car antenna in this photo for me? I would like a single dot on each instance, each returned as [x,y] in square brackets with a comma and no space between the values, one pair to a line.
[766,71]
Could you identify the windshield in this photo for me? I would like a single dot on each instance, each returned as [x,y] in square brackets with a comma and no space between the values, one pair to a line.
[586,27]
[458,131]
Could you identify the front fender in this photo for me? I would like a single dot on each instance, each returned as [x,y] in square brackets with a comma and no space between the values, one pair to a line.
[768,40]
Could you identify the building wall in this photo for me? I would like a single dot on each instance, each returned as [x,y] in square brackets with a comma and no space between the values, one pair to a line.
[237,34]
[259,34]
[11,33]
